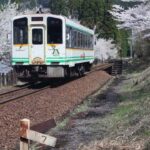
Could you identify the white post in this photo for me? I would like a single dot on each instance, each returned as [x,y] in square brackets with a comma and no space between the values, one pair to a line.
[131,47]
[24,126]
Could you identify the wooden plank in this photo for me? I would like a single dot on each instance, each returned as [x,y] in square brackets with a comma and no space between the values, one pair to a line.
[44,126]
[41,138]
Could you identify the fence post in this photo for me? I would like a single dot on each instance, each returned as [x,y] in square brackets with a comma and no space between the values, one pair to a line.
[14,77]
[7,79]
[24,126]
[3,79]
[11,77]
[0,80]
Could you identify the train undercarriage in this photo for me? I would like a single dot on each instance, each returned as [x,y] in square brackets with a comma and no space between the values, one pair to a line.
[52,71]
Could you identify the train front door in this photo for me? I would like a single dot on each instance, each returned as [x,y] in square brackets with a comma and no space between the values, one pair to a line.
[37,46]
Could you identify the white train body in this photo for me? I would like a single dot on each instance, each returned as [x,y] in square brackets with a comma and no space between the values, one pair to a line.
[50,45]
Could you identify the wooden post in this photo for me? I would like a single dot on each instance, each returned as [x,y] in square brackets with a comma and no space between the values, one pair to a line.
[7,79]
[0,80]
[11,77]
[15,77]
[27,135]
[24,126]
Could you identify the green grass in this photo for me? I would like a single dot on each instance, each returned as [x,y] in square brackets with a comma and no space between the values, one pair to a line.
[132,113]
[62,124]
[146,133]
[123,111]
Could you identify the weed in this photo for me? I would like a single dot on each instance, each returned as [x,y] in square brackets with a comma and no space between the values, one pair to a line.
[123,111]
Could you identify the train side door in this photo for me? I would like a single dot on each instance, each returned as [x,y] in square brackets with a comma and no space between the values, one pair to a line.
[37,50]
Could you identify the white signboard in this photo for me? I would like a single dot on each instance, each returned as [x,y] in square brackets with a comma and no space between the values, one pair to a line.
[41,138]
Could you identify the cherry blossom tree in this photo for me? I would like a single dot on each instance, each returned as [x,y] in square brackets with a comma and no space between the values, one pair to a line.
[7,12]
[136,18]
[105,49]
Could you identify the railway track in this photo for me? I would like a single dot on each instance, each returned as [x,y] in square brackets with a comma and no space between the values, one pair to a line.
[9,96]
[21,92]
[101,67]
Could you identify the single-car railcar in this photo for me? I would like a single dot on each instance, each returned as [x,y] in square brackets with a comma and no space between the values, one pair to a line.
[51,46]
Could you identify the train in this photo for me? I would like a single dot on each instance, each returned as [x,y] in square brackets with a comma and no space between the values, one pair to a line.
[48,45]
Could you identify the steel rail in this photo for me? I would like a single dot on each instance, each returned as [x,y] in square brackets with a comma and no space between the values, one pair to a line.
[100,67]
[21,96]
[95,68]
[11,91]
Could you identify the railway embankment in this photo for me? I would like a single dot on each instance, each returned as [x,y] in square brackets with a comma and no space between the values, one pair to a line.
[116,117]
[50,103]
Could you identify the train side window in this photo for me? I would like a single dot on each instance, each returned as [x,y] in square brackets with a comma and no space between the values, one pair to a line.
[72,38]
[84,41]
[79,39]
[68,37]
[74,41]
[54,30]
[91,42]
[20,31]
[88,41]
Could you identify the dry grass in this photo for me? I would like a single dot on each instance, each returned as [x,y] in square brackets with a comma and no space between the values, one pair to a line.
[129,124]
[142,77]
[112,145]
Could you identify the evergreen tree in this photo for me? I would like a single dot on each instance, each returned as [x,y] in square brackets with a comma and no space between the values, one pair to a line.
[58,7]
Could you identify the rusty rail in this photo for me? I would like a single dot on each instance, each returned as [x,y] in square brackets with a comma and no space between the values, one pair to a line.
[9,98]
[106,67]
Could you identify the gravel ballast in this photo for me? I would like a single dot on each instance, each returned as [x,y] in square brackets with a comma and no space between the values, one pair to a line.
[50,103]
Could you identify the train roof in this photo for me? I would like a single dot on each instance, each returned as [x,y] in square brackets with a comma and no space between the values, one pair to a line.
[78,26]
[69,22]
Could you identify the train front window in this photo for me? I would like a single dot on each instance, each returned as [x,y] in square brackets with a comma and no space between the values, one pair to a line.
[54,30]
[20,29]
[37,36]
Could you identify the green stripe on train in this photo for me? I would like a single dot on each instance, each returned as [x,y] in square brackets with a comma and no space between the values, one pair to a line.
[69,57]
[20,58]
[22,61]
[25,60]
[54,59]
[69,60]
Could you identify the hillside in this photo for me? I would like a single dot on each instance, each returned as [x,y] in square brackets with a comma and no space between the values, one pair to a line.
[116,117]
